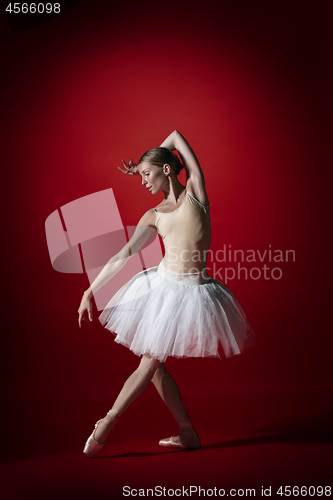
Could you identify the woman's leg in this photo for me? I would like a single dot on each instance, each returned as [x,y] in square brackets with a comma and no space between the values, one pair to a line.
[169,392]
[134,385]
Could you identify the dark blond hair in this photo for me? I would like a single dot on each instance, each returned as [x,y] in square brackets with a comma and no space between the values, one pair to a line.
[160,156]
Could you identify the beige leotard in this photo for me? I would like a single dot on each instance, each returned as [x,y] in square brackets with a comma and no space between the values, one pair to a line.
[186,235]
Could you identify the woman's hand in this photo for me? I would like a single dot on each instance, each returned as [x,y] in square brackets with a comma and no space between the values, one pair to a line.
[131,168]
[85,306]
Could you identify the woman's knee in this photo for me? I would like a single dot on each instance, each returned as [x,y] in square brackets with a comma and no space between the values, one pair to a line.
[158,374]
[150,363]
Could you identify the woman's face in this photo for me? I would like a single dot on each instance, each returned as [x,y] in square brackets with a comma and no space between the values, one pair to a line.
[153,177]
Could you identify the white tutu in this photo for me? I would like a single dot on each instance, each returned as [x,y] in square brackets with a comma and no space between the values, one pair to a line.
[182,315]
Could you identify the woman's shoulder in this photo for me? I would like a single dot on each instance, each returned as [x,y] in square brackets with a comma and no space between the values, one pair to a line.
[148,219]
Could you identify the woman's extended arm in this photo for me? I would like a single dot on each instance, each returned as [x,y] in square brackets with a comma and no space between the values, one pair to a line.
[194,174]
[141,235]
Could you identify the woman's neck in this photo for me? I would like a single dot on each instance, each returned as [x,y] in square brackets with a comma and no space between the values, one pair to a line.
[175,188]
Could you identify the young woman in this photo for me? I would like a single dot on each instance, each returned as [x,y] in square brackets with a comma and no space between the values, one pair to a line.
[174,309]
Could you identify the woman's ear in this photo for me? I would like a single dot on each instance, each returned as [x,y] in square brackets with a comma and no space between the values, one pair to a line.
[166,169]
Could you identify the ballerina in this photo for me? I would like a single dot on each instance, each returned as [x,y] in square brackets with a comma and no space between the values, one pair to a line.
[174,309]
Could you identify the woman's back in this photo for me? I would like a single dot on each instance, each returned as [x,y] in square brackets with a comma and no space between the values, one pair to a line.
[186,235]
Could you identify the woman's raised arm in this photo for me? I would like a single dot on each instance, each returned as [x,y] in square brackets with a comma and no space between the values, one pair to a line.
[195,177]
[142,232]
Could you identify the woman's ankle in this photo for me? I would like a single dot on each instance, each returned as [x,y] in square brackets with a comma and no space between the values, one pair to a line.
[187,432]
[112,414]
[185,425]
[104,426]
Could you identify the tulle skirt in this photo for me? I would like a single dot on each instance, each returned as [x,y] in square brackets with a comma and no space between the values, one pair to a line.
[182,315]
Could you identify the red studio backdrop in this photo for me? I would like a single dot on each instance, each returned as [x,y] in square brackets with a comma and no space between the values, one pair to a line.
[246,83]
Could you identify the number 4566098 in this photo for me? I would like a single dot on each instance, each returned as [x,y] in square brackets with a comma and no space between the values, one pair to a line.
[33,8]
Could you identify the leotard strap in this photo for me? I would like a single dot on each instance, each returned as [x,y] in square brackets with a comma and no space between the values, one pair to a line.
[205,206]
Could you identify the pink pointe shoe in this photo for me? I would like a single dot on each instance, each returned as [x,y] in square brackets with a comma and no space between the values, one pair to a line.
[92,446]
[175,442]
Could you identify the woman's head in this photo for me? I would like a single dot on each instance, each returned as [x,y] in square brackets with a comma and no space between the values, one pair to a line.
[158,167]
[161,157]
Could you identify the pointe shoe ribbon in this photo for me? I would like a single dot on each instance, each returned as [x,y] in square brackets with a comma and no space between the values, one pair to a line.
[172,442]
[92,446]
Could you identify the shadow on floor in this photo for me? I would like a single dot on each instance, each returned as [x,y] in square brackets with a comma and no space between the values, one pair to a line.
[312,430]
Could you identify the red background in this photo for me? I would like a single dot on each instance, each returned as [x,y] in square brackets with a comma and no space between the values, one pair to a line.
[247,84]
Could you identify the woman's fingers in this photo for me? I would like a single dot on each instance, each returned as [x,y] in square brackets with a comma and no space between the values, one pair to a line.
[85,308]
[133,165]
[125,171]
[82,317]
[130,169]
